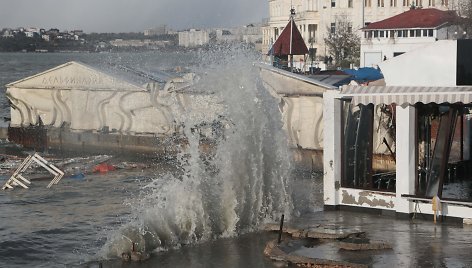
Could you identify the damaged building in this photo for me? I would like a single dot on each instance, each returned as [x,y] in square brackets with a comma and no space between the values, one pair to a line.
[75,106]
[426,105]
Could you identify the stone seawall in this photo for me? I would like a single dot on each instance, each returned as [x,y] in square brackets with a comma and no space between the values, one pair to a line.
[40,138]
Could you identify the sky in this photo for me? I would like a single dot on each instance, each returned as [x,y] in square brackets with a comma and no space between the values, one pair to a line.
[130,15]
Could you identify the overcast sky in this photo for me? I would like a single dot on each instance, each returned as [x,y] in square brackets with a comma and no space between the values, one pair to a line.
[130,15]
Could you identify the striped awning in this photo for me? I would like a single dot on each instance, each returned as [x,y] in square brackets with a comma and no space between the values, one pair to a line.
[406,95]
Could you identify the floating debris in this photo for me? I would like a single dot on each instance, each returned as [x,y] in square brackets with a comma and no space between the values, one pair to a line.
[103,168]
[135,255]
[345,238]
[273,251]
[317,232]
[363,244]
[332,232]
[18,179]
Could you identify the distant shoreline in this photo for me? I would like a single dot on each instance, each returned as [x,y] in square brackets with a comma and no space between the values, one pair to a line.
[117,50]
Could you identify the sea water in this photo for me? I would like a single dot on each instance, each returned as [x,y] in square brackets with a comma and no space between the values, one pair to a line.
[198,209]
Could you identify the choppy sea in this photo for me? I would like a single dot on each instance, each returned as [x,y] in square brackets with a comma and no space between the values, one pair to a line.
[188,211]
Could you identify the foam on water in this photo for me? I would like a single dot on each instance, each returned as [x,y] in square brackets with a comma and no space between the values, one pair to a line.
[245,181]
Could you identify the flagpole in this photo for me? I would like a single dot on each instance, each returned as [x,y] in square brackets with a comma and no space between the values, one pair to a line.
[292,14]
[291,33]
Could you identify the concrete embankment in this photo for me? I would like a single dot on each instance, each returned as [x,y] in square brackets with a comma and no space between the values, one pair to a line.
[3,133]
[351,239]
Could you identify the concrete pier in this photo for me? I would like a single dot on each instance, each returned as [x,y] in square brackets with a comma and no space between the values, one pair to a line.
[415,243]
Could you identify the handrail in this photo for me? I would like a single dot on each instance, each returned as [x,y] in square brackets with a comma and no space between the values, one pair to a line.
[423,199]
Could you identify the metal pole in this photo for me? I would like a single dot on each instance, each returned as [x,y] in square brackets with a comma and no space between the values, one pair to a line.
[291,34]
[281,228]
[462,136]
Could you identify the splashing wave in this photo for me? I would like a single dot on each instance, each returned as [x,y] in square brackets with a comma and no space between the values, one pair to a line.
[245,181]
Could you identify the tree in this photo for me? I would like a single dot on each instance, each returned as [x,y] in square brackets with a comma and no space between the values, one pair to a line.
[464,9]
[343,43]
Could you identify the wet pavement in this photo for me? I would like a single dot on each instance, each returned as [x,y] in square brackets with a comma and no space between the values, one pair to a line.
[415,243]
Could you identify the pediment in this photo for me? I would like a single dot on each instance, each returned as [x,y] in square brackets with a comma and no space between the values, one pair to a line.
[75,75]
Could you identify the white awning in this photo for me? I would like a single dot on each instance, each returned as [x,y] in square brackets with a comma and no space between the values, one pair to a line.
[406,95]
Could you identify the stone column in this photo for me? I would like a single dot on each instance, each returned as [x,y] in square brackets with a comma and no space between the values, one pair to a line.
[332,128]
[405,157]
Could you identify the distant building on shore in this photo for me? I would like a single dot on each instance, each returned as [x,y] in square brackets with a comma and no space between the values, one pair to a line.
[404,32]
[194,38]
[316,18]
[7,33]
[252,34]
[249,34]
[121,43]
[160,30]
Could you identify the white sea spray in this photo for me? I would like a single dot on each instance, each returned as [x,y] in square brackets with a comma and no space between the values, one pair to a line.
[243,183]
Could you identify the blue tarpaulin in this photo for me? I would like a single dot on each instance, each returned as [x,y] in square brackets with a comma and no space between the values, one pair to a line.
[365,74]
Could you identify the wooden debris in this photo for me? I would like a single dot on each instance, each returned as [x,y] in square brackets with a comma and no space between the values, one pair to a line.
[332,232]
[363,244]
[350,239]
[273,251]
[317,232]
[294,232]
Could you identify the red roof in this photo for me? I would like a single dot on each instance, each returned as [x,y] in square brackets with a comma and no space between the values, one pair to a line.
[416,18]
[282,47]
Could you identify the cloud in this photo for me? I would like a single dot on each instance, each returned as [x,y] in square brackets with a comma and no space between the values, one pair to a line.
[130,15]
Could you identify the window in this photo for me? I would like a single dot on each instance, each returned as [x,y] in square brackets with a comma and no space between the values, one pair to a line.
[464,63]
[312,33]
[393,3]
[442,168]
[360,149]
[367,3]
[412,33]
[400,33]
[392,33]
[431,3]
[349,3]
[333,27]
[312,53]
[406,3]
[418,33]
[333,3]
[380,3]
[310,5]
[405,33]
[430,32]
[382,33]
[376,33]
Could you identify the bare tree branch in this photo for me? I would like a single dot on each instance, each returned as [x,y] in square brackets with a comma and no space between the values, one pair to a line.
[343,44]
